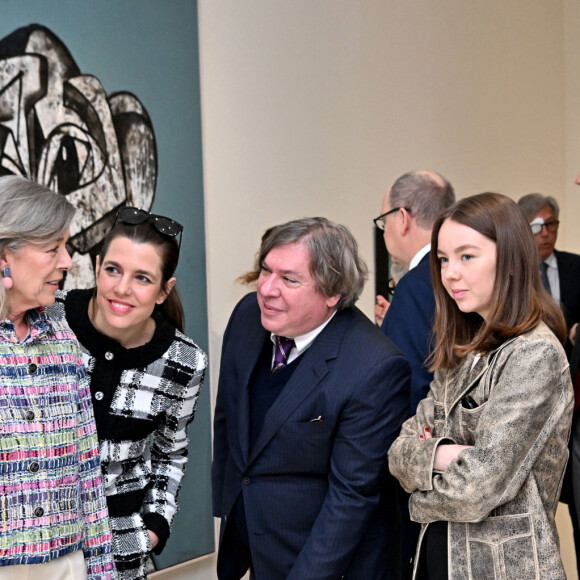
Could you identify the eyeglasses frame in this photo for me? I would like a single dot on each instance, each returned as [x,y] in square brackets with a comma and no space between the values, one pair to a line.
[380,221]
[551,226]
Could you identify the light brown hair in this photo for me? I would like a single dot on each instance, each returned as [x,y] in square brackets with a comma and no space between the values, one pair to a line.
[518,301]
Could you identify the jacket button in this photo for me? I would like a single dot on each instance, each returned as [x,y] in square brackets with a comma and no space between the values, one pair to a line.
[33,467]
[32,368]
[29,415]
[99,396]
[109,355]
[246,481]
[38,512]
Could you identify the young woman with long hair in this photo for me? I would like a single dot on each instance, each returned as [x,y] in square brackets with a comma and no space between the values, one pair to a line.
[485,454]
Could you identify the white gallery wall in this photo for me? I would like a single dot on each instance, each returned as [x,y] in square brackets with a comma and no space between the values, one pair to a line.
[314,107]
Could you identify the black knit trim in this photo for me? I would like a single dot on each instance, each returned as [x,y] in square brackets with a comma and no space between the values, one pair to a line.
[77,314]
[125,504]
[159,525]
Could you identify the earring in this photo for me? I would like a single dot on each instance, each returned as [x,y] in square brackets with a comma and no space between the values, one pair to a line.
[6,279]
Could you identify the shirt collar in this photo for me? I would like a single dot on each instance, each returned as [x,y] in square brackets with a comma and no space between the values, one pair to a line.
[419,256]
[551,261]
[304,341]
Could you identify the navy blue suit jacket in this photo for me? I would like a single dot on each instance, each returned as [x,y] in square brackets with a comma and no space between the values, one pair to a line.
[408,323]
[311,488]
[569,275]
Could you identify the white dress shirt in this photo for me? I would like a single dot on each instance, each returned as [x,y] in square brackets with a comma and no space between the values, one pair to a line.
[419,256]
[301,342]
[553,278]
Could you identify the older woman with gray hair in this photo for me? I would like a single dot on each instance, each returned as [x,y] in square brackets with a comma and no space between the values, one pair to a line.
[54,519]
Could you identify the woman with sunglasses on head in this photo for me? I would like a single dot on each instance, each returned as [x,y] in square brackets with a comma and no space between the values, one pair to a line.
[484,456]
[145,379]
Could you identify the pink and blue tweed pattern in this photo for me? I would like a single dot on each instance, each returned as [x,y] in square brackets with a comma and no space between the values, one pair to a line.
[51,492]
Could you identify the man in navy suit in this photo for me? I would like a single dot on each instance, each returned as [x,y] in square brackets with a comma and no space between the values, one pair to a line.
[410,208]
[561,276]
[300,439]
[562,269]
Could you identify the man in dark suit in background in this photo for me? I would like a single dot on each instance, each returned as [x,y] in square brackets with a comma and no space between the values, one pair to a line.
[572,478]
[300,439]
[560,270]
[410,208]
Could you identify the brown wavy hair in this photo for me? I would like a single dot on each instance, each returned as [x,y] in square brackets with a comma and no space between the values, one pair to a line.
[335,264]
[518,303]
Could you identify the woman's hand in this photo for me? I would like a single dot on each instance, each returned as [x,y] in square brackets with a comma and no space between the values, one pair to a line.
[444,454]
[154,538]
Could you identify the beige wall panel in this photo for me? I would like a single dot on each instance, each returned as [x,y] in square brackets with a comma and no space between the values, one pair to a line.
[313,107]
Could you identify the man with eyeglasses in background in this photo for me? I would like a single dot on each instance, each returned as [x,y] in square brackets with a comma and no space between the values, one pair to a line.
[410,208]
[560,271]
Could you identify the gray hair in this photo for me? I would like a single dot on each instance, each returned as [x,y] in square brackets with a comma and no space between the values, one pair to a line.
[29,213]
[532,203]
[334,261]
[425,197]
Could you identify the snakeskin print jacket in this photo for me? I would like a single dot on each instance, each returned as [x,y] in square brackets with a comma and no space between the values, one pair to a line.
[500,496]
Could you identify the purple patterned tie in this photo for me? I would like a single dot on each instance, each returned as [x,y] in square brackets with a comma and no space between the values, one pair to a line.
[283,347]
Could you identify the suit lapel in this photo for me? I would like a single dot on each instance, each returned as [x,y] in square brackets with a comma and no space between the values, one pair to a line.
[562,268]
[461,381]
[312,369]
[251,353]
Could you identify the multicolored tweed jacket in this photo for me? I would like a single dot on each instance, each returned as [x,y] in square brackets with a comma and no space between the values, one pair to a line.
[144,400]
[51,489]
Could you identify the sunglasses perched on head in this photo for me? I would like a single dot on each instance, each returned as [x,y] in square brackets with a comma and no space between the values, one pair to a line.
[134,216]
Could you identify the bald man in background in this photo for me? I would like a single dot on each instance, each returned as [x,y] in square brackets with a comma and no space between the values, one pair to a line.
[410,208]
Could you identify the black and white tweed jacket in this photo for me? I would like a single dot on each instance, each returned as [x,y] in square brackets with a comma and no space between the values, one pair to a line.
[144,399]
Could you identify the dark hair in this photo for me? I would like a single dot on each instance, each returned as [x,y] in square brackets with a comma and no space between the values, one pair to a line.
[518,301]
[424,193]
[335,265]
[145,233]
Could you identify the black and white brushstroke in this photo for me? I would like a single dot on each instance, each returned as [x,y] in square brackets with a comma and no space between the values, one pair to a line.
[59,127]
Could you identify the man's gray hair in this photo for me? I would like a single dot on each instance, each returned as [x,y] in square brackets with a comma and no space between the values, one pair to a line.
[29,213]
[423,195]
[532,203]
[335,264]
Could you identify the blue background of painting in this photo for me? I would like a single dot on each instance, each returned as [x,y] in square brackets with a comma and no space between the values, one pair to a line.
[150,48]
